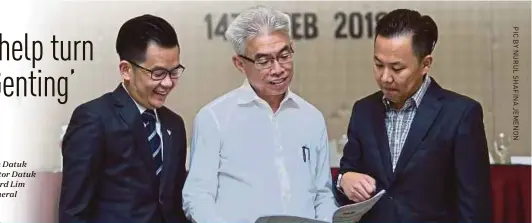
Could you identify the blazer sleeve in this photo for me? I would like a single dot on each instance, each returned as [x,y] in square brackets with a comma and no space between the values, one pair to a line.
[351,154]
[81,148]
[472,168]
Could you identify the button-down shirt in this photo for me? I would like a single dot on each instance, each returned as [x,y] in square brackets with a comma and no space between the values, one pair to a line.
[157,120]
[247,161]
[398,121]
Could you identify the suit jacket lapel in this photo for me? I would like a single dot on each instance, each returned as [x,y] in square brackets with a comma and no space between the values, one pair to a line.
[378,116]
[168,149]
[130,114]
[426,113]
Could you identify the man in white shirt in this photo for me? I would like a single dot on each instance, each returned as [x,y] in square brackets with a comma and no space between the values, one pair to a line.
[259,149]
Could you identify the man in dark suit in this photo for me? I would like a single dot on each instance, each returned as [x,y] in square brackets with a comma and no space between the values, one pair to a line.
[424,145]
[124,152]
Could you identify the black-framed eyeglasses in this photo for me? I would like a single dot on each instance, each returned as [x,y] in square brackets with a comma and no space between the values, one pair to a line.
[161,73]
[266,61]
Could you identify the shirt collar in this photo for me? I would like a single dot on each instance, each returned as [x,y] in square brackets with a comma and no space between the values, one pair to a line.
[414,100]
[140,107]
[246,95]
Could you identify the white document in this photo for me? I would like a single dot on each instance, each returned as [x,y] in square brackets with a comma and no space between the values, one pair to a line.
[286,219]
[353,213]
[346,214]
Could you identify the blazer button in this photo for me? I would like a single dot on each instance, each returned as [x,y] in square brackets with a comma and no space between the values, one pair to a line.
[160,201]
[390,198]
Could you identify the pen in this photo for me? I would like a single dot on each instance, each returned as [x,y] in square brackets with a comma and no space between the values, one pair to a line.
[305,154]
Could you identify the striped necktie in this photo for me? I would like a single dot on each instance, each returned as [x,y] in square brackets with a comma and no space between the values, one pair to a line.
[154,141]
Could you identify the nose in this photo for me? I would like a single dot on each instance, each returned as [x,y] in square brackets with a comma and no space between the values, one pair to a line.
[386,76]
[167,82]
[276,68]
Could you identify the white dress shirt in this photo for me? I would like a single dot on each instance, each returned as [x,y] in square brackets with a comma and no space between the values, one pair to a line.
[157,123]
[247,162]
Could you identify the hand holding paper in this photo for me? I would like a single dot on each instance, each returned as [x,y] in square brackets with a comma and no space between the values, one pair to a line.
[358,187]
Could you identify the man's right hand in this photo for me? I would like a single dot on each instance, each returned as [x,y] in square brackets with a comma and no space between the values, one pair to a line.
[357,187]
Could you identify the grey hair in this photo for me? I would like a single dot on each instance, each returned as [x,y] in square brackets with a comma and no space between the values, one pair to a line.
[254,22]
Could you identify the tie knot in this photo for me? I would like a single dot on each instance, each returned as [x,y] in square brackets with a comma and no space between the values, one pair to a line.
[148,115]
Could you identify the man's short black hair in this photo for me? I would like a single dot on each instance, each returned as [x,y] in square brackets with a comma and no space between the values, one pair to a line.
[136,33]
[405,21]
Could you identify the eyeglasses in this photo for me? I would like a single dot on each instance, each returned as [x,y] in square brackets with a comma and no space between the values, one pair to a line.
[266,62]
[161,73]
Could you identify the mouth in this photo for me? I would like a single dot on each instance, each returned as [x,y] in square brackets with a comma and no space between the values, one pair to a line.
[278,82]
[389,89]
[161,93]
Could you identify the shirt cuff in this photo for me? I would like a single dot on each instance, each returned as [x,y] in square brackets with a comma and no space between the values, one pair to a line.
[338,187]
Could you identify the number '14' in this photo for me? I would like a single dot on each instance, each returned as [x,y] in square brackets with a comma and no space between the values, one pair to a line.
[221,25]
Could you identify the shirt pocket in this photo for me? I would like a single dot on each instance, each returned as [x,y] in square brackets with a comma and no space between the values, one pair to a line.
[305,160]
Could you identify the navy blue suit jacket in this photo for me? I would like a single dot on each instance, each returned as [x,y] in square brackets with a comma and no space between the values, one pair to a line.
[108,170]
[442,174]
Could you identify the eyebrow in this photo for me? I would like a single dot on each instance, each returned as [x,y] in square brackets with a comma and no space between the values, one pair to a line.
[164,68]
[393,64]
[259,55]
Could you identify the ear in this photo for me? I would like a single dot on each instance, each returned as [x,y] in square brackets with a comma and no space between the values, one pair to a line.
[426,64]
[126,71]
[293,45]
[238,63]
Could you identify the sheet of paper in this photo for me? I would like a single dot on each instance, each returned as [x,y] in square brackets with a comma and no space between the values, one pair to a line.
[353,213]
[347,214]
[286,219]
